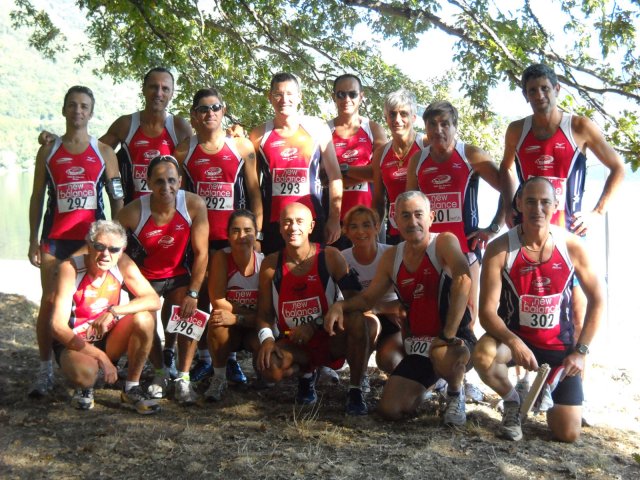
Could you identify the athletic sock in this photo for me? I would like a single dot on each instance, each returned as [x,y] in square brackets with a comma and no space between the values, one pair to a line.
[232,356]
[129,385]
[204,356]
[46,366]
[184,376]
[512,396]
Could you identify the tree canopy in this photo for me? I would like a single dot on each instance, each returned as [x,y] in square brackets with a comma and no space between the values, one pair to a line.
[237,45]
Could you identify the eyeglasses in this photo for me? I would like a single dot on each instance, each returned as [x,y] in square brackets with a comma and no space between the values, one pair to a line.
[216,107]
[352,94]
[101,247]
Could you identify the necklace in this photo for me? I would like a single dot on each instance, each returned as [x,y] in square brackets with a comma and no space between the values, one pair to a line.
[300,262]
[540,250]
[401,153]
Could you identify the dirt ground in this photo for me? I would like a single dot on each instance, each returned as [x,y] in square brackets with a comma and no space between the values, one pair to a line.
[260,434]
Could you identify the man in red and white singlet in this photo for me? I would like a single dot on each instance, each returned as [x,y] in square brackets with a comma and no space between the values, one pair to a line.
[233,288]
[390,161]
[431,278]
[92,329]
[73,169]
[525,308]
[298,284]
[167,225]
[293,148]
[354,138]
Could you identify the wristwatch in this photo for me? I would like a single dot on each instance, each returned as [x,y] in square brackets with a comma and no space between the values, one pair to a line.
[259,236]
[344,168]
[581,348]
[446,339]
[192,294]
[494,227]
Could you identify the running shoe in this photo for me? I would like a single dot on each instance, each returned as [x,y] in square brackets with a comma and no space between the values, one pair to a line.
[42,385]
[169,360]
[83,399]
[200,371]
[511,428]
[184,392]
[307,390]
[328,376]
[365,386]
[216,389]
[356,405]
[136,399]
[159,384]
[235,373]
[454,412]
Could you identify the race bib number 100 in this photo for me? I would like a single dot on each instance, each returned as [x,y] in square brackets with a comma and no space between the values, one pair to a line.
[418,345]
[192,327]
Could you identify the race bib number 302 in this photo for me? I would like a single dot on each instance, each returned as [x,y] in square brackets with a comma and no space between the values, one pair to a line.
[418,345]
[192,327]
[290,182]
[77,196]
[540,312]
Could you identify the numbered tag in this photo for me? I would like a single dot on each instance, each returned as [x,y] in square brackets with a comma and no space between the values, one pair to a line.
[77,196]
[418,345]
[360,187]
[191,327]
[540,312]
[88,334]
[290,182]
[217,195]
[140,178]
[299,312]
[446,207]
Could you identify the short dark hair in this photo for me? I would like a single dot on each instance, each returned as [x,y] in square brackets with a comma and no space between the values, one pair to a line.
[204,93]
[438,108]
[157,70]
[538,70]
[79,89]
[155,161]
[282,77]
[344,77]
[243,212]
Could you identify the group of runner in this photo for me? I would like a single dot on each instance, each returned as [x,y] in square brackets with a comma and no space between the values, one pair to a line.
[297,274]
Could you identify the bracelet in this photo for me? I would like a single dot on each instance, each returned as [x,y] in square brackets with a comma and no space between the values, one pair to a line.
[116,317]
[264,334]
[442,337]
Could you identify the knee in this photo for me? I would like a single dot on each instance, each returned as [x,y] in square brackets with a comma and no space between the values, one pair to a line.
[389,411]
[568,434]
[482,359]
[356,326]
[143,322]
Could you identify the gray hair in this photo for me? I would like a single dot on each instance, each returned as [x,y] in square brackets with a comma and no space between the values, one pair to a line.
[401,98]
[406,196]
[107,227]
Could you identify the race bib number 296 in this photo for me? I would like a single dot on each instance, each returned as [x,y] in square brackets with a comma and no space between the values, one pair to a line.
[192,327]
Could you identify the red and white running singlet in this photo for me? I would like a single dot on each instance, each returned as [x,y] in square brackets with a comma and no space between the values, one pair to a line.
[535,301]
[141,150]
[217,178]
[394,177]
[452,195]
[75,184]
[559,160]
[243,290]
[91,300]
[300,299]
[165,246]
[293,168]
[354,151]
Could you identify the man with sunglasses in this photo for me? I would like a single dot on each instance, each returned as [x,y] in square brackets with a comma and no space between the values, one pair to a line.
[165,227]
[144,134]
[222,170]
[293,148]
[74,169]
[92,328]
[354,138]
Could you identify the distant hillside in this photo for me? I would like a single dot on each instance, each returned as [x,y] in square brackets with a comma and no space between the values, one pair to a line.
[33,87]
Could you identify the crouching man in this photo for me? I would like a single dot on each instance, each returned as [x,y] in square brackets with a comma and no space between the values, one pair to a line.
[92,329]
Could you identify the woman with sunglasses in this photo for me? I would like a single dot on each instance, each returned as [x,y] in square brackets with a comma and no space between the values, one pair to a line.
[166,226]
[355,138]
[222,170]
[390,162]
[233,289]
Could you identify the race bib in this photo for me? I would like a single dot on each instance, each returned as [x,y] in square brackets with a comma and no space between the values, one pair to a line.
[140,178]
[540,312]
[77,196]
[217,195]
[418,345]
[290,182]
[191,327]
[360,187]
[299,312]
[88,334]
[243,298]
[446,207]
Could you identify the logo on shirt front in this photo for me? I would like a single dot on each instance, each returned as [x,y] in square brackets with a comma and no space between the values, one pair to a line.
[341,144]
[166,241]
[430,170]
[312,278]
[289,153]
[277,143]
[559,146]
[152,233]
[63,160]
[532,149]
[557,266]
[74,171]
[527,269]
[406,281]
[212,172]
[541,282]
[350,154]
[151,154]
[442,181]
[400,173]
[200,161]
[544,161]
[141,143]
[179,227]
[456,165]
[90,159]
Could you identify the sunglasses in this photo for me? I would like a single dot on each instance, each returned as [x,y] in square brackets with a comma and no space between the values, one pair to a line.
[352,94]
[216,107]
[101,247]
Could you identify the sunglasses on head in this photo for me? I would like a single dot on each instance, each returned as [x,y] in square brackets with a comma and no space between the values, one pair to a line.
[101,247]
[216,107]
[352,94]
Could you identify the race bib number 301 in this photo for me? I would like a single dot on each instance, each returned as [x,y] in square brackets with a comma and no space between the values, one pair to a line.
[77,196]
[446,207]
[192,327]
[290,182]
[418,345]
[540,312]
